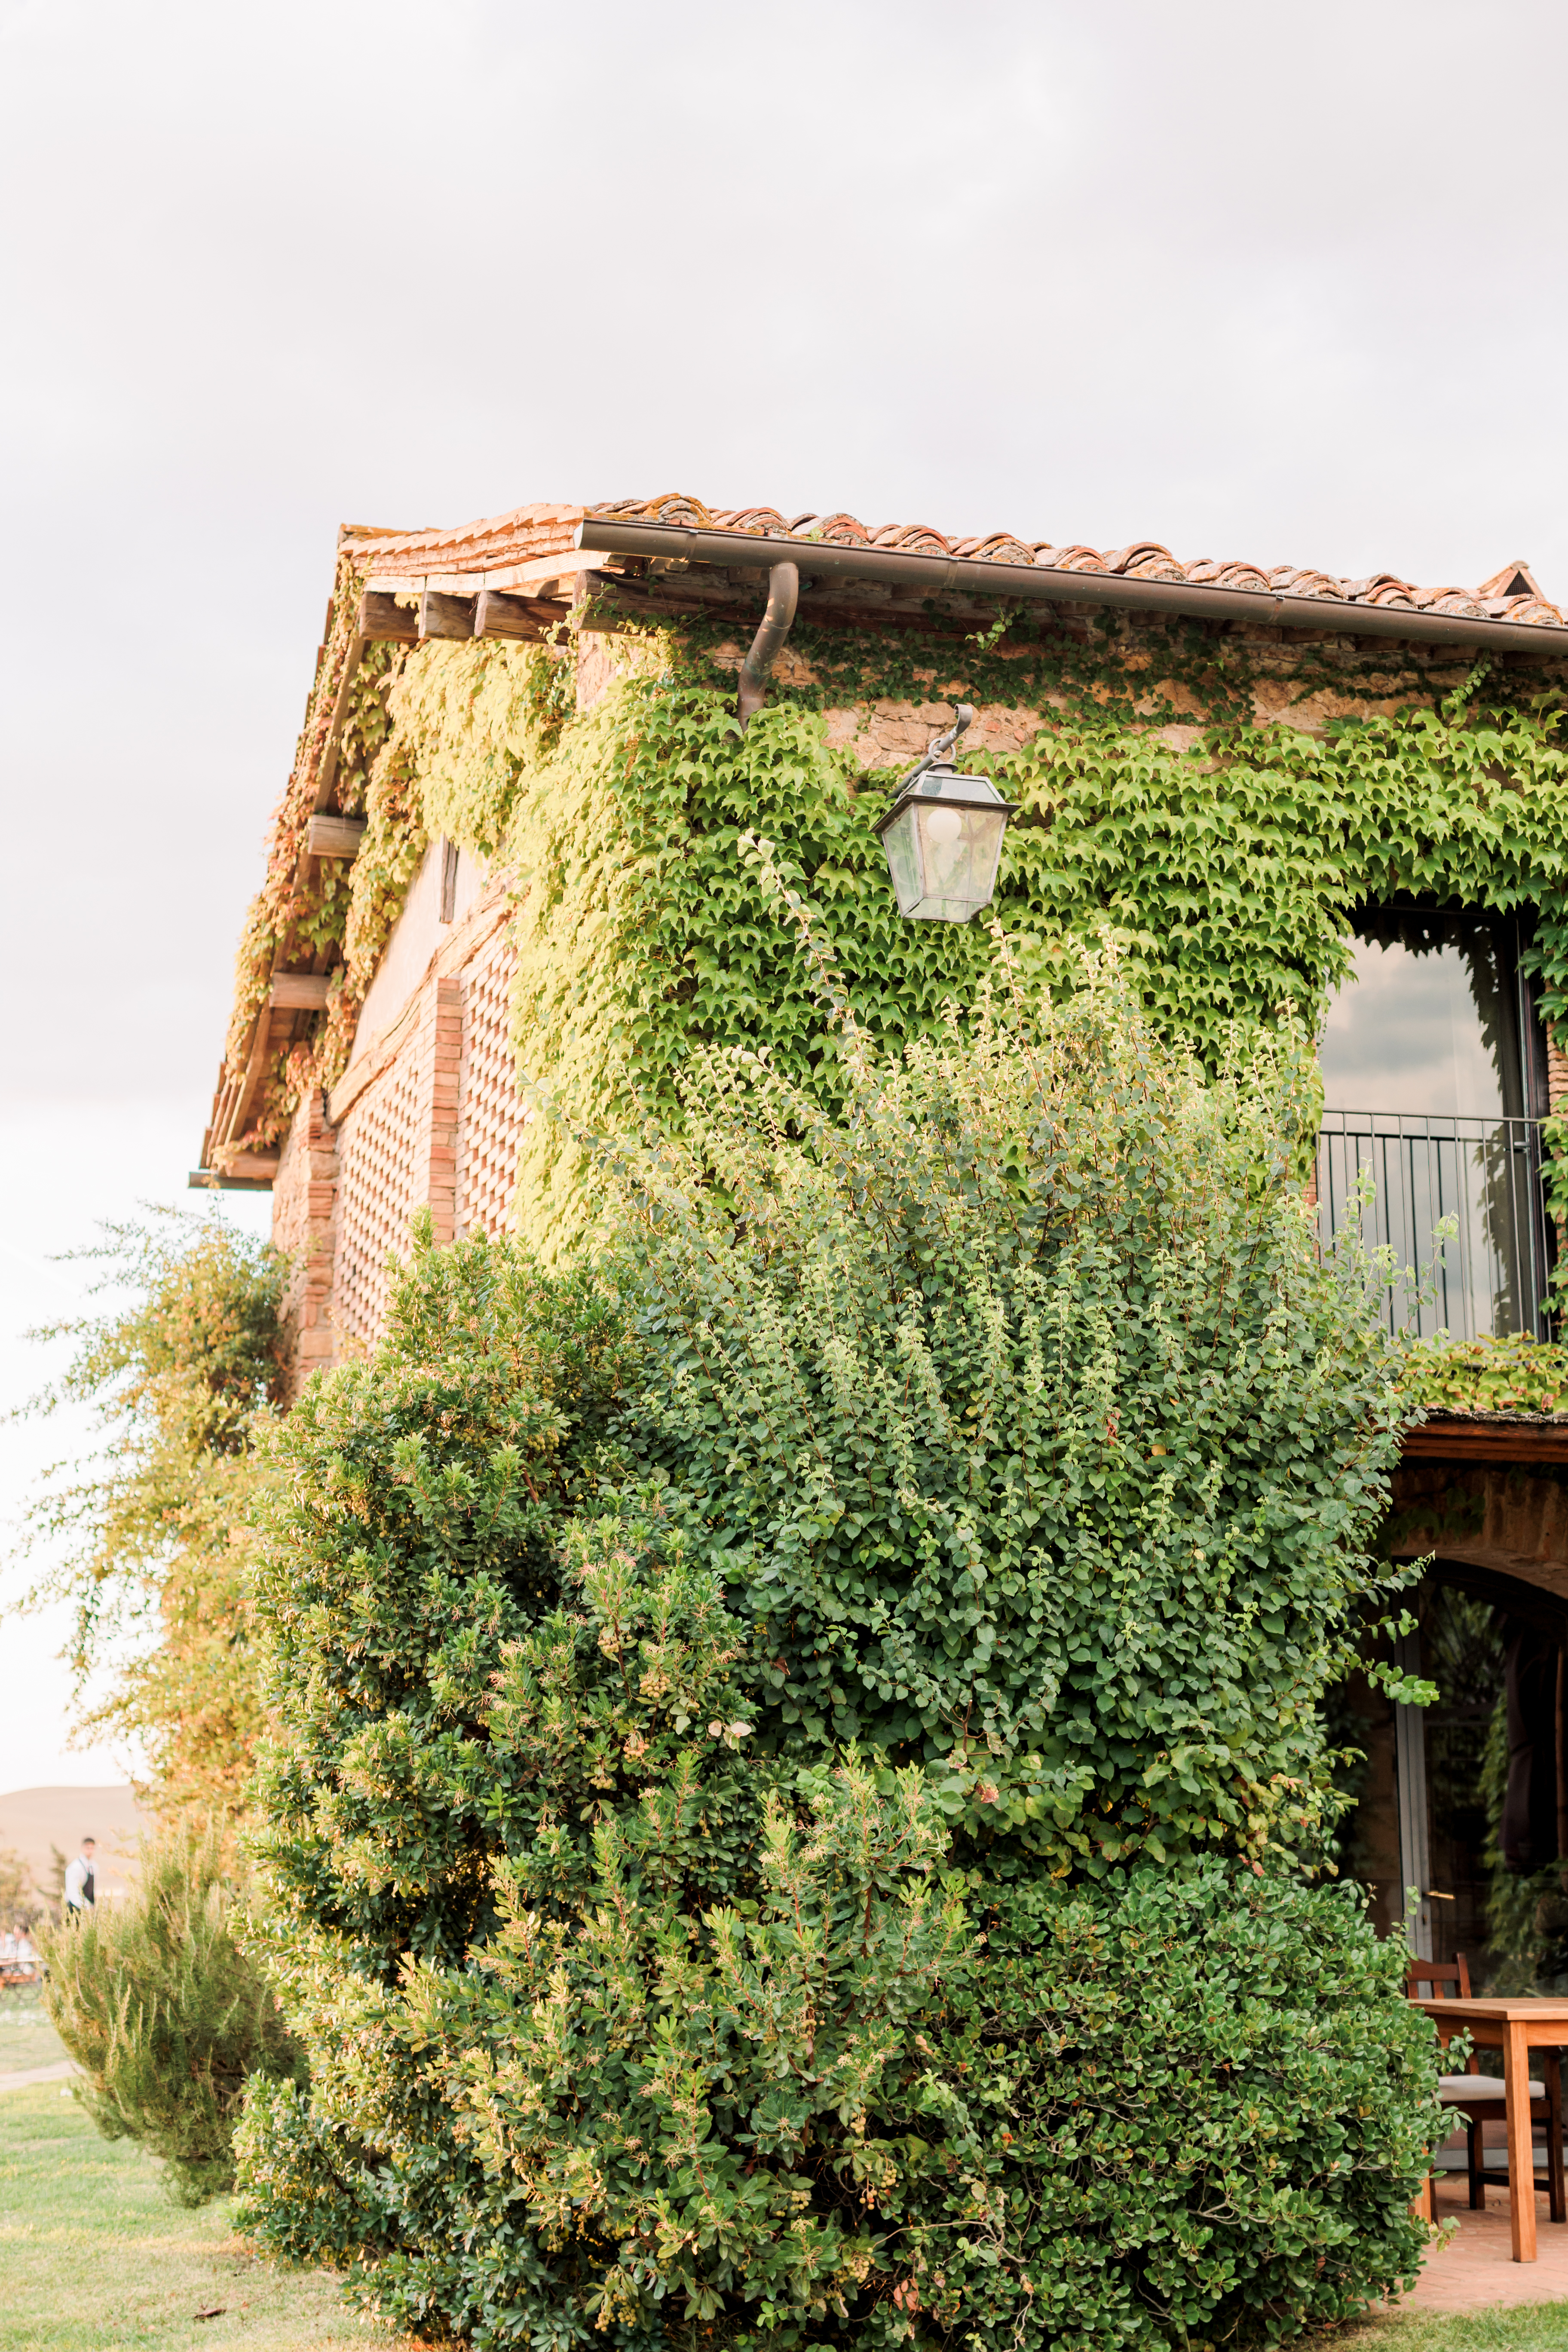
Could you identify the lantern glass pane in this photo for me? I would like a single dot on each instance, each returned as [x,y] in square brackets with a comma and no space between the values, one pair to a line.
[943,848]
[904,861]
[960,848]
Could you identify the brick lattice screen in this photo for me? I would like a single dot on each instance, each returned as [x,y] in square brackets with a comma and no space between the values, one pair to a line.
[377,1193]
[492,1116]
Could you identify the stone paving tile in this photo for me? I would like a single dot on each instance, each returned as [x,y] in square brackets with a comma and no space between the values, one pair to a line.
[1476,2267]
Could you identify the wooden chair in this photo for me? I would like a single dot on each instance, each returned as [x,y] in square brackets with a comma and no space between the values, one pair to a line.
[1479,2097]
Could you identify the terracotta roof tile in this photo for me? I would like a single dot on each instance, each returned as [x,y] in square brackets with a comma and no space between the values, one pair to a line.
[673,508]
[1145,560]
[996,547]
[1228,576]
[913,538]
[536,531]
[831,530]
[1070,559]
[1448,599]
[1534,610]
[1514,579]
[1382,588]
[1287,581]
[760,522]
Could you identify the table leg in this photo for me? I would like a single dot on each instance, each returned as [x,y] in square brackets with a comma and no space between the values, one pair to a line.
[1520,2148]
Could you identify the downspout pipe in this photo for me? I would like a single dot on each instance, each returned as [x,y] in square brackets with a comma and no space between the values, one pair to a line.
[943,575]
[784,594]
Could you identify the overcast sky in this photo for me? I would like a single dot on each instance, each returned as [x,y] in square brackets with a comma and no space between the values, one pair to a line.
[1283,284]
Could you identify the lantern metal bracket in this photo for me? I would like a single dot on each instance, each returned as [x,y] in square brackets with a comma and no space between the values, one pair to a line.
[964,716]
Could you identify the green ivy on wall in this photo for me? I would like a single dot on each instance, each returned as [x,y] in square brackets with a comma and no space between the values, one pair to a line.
[1225,857]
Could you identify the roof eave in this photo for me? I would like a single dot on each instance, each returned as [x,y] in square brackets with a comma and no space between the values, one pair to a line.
[941,576]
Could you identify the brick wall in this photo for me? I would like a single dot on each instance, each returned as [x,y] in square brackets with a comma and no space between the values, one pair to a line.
[1556,1077]
[304,1196]
[427,1116]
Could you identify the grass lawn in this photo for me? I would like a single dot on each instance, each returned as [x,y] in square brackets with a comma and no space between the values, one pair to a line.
[1526,2327]
[95,2258]
[27,2037]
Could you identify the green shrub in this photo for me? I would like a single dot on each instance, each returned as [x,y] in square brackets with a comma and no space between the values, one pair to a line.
[722,1702]
[143,1534]
[1517,1374]
[165,2016]
[1184,2108]
[1032,1436]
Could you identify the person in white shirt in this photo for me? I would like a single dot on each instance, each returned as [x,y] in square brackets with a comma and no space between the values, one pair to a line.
[79,1888]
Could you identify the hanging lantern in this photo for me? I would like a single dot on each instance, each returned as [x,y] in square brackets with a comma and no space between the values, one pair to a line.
[943,836]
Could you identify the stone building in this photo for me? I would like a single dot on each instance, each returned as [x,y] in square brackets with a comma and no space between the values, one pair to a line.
[372,1067]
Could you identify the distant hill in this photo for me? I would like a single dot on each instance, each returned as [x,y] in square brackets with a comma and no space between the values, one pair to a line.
[32,1820]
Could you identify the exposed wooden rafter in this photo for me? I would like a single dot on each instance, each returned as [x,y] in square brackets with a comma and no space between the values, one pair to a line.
[300,992]
[334,836]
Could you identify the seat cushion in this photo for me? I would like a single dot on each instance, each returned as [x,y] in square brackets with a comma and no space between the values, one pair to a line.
[1454,2090]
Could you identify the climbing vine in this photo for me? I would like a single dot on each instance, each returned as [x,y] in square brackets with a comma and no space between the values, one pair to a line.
[1218,807]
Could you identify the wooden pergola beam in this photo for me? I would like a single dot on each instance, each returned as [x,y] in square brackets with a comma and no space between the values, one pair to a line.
[247,1172]
[383,621]
[524,618]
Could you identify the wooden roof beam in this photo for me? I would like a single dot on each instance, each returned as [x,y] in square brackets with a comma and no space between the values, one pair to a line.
[299,991]
[334,836]
[247,1172]
[445,616]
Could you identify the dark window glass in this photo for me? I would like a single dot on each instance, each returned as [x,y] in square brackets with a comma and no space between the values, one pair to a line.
[1428,1020]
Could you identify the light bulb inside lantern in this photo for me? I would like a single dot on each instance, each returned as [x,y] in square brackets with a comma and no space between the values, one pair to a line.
[943,826]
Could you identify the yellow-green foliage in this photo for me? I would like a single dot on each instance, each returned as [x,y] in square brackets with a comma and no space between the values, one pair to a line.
[287,912]
[478,716]
[1514,1375]
[148,1531]
[1226,859]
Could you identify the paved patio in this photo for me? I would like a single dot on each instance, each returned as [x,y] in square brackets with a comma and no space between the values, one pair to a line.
[1476,2267]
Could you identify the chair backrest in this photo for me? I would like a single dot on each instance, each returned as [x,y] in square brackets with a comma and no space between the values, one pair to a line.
[1447,1979]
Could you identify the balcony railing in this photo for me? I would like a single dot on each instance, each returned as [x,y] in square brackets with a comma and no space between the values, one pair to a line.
[1491,1277]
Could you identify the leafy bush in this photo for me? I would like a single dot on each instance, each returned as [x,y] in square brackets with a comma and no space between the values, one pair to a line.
[1517,1374]
[146,1534]
[21,1905]
[1184,2108]
[732,1706]
[165,2016]
[1034,1439]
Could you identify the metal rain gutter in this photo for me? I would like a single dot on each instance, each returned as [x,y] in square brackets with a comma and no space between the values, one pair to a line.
[784,588]
[943,575]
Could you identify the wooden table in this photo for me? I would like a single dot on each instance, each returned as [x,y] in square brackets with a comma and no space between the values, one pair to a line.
[1516,2028]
